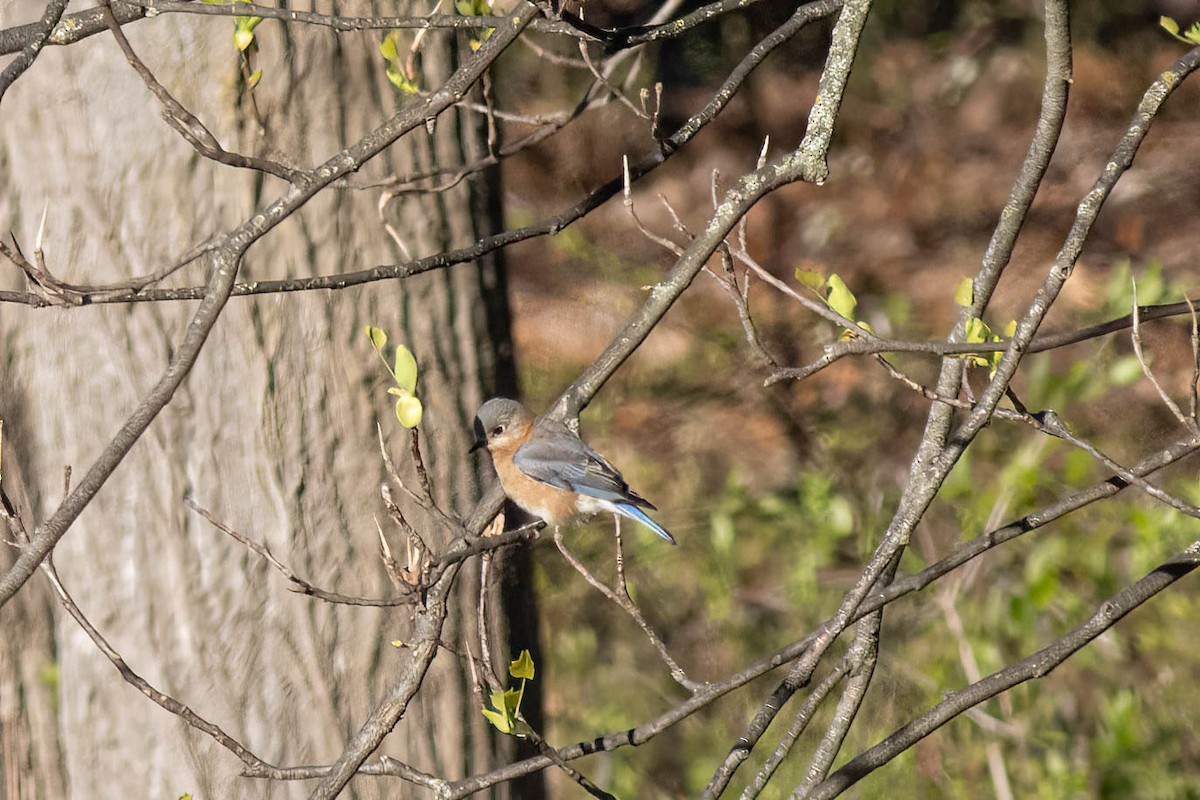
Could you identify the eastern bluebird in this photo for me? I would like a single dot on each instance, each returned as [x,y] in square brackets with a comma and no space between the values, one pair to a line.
[548,471]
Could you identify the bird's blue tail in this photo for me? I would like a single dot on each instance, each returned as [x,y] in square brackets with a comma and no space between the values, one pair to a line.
[633,512]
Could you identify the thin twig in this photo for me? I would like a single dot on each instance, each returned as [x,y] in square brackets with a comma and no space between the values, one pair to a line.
[803,16]
[1193,406]
[1049,422]
[630,608]
[431,569]
[1136,335]
[186,123]
[165,701]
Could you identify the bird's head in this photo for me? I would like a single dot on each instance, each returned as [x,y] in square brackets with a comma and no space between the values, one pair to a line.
[501,422]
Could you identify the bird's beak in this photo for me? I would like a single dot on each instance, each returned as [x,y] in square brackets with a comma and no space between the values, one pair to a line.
[478,444]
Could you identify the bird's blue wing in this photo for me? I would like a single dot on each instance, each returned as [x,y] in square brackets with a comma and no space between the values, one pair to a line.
[558,457]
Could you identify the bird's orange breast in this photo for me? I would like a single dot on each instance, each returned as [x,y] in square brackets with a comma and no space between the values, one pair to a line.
[540,499]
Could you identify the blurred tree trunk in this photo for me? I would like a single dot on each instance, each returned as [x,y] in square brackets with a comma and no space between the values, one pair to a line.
[274,430]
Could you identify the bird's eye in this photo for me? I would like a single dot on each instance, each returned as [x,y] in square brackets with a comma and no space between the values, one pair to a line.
[496,431]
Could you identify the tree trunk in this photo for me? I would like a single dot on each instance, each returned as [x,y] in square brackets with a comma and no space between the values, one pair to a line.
[274,430]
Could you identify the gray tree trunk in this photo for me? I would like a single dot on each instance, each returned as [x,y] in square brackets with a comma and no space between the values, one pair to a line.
[274,430]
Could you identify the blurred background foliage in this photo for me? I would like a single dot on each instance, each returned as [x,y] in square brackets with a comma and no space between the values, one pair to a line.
[778,495]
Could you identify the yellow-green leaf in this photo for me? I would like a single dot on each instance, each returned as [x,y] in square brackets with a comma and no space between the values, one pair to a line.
[1169,25]
[472,8]
[522,667]
[1010,329]
[810,278]
[388,47]
[401,80]
[977,331]
[406,369]
[841,299]
[964,295]
[498,720]
[377,336]
[243,38]
[510,701]
[255,77]
[506,706]
[409,411]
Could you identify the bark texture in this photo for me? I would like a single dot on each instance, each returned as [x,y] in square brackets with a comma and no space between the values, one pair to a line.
[274,430]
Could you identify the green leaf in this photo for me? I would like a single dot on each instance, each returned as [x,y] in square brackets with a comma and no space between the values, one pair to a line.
[377,336]
[243,33]
[477,43]
[522,667]
[243,38]
[388,47]
[498,720]
[409,411]
[254,78]
[841,299]
[472,8]
[977,331]
[1169,25]
[506,706]
[964,295]
[1010,330]
[812,279]
[406,369]
[994,359]
[401,80]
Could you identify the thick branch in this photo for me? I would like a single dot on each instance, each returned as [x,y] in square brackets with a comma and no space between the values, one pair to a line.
[35,40]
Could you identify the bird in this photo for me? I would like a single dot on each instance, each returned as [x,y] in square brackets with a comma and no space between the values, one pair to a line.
[550,472]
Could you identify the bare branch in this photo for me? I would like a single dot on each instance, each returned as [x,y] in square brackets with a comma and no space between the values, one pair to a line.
[37,37]
[1037,665]
[803,16]
[626,603]
[430,571]
[226,261]
[799,724]
[1136,336]
[165,701]
[186,123]
[713,690]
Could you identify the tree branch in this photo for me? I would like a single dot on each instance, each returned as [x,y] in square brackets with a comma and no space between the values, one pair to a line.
[1037,665]
[226,260]
[37,35]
